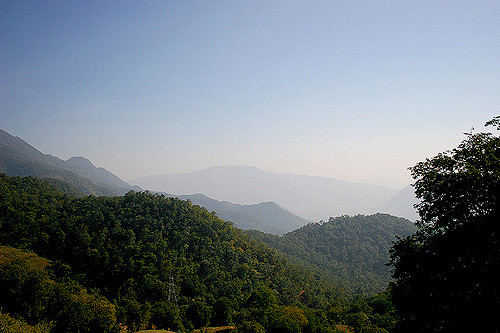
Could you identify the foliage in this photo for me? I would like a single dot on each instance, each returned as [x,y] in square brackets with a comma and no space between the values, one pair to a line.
[285,319]
[250,327]
[352,250]
[130,248]
[12,325]
[27,290]
[25,286]
[261,298]
[83,312]
[199,314]
[447,273]
[143,260]
[167,315]
[222,313]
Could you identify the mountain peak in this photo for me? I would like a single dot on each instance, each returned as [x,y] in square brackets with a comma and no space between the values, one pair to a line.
[240,167]
[79,160]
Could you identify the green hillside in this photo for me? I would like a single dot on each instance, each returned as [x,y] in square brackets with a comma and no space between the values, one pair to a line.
[351,249]
[41,304]
[155,261]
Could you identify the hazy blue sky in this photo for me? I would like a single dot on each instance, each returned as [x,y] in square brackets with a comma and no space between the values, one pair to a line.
[344,89]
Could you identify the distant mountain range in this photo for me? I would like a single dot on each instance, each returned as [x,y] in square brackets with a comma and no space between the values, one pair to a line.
[265,201]
[402,204]
[18,158]
[313,198]
[77,176]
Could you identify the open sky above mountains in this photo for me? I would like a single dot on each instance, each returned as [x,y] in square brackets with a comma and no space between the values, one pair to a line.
[348,90]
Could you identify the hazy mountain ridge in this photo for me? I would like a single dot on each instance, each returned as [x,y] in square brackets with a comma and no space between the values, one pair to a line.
[18,158]
[265,216]
[85,168]
[402,204]
[249,187]
[310,197]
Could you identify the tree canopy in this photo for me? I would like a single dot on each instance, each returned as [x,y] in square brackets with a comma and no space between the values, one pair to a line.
[351,250]
[144,260]
[447,272]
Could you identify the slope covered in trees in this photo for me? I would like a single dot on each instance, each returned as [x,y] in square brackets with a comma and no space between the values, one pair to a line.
[151,260]
[29,291]
[350,249]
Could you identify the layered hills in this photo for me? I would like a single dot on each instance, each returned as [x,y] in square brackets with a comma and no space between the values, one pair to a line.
[265,216]
[313,198]
[161,261]
[77,176]
[150,259]
[402,204]
[18,158]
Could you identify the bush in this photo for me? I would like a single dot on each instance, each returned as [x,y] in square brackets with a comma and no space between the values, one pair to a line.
[166,315]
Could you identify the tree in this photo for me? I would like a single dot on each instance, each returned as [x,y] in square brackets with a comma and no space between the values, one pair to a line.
[166,315]
[446,274]
[261,298]
[222,312]
[286,319]
[83,312]
[199,314]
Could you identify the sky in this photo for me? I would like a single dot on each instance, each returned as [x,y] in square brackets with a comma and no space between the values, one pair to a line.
[342,89]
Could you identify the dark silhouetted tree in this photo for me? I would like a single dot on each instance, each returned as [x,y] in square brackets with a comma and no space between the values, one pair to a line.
[447,273]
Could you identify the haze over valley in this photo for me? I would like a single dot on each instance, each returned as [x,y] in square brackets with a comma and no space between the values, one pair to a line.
[247,196]
[314,198]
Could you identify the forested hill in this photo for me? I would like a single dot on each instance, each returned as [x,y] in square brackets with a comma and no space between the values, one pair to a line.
[149,260]
[353,249]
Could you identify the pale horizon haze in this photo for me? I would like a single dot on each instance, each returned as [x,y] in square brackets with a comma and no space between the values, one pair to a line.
[352,90]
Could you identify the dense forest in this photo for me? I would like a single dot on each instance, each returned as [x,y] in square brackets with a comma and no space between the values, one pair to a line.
[73,263]
[353,250]
[143,260]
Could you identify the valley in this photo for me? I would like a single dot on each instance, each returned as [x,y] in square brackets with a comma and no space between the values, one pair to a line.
[130,247]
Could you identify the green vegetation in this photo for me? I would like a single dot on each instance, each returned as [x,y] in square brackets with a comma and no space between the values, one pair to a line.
[143,260]
[28,291]
[352,250]
[70,263]
[447,273]
[12,325]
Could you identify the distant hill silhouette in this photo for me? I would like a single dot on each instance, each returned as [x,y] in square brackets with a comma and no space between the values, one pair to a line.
[401,204]
[265,216]
[18,158]
[310,197]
